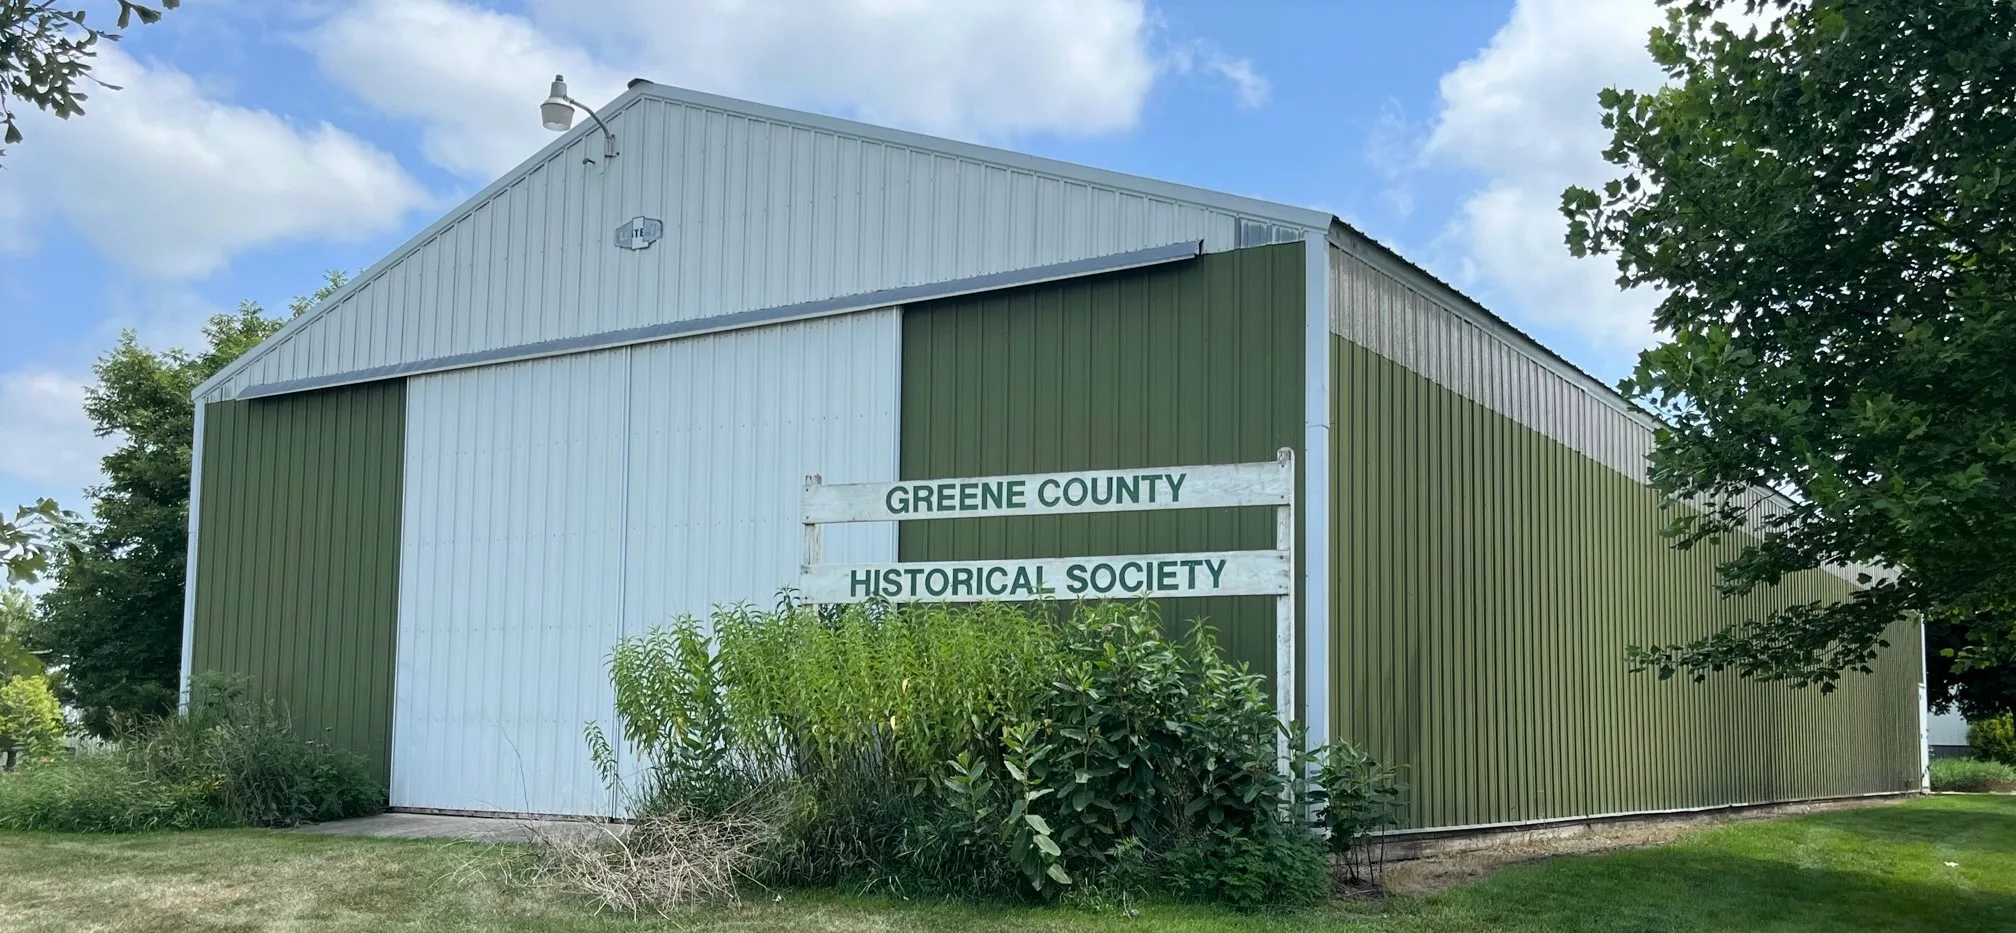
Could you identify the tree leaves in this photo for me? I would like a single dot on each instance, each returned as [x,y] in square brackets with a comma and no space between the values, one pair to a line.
[46,52]
[1820,199]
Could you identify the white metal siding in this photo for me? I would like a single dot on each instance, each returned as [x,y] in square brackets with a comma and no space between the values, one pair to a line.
[1384,315]
[759,213]
[555,505]
[511,561]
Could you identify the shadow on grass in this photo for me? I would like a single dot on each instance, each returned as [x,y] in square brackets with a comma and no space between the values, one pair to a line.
[1703,889]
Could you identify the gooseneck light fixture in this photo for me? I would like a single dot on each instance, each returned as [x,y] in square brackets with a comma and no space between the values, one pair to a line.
[557,114]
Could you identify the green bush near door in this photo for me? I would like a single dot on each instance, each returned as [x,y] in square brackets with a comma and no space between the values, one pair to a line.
[233,760]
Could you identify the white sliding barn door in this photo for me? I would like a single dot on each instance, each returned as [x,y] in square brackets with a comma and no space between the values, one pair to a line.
[553,506]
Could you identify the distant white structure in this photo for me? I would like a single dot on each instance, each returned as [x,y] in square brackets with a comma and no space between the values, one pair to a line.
[1946,735]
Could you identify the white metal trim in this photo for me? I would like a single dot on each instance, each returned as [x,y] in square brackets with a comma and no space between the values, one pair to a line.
[189,567]
[763,317]
[1316,515]
[1285,214]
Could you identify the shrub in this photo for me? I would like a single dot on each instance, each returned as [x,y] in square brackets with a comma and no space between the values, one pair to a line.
[1971,776]
[234,760]
[980,751]
[840,722]
[1994,739]
[1355,797]
[31,722]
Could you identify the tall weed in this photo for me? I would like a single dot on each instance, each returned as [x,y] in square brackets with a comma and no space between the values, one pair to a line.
[233,760]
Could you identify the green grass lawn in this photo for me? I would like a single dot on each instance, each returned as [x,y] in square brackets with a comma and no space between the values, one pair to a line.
[1884,868]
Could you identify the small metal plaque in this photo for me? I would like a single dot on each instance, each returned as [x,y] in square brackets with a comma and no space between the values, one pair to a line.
[639,232]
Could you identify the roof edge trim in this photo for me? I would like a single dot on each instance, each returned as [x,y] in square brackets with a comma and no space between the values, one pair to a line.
[1285,214]
[566,140]
[742,320]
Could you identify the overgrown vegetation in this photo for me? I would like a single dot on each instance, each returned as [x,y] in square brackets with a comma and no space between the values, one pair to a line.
[233,760]
[1972,776]
[1994,739]
[988,751]
[31,723]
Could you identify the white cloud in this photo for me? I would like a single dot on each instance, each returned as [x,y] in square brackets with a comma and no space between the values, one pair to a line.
[45,438]
[1252,89]
[1524,114]
[980,69]
[170,182]
[472,77]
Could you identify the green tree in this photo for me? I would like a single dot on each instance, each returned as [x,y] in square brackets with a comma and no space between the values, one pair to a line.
[16,611]
[31,722]
[46,52]
[30,540]
[113,620]
[1825,200]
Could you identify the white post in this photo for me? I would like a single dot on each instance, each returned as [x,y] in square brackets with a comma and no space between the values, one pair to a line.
[1284,608]
[189,567]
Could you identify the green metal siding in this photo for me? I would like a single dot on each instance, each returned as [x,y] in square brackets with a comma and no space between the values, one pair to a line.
[1199,362]
[1487,582]
[298,555]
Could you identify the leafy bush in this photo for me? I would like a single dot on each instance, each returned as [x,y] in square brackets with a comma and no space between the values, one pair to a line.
[1356,797]
[31,722]
[1970,776]
[1994,739]
[234,760]
[980,751]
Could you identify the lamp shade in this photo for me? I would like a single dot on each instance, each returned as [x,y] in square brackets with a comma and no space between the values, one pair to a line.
[557,114]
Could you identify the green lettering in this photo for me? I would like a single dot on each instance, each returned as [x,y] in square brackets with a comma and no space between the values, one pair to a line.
[1045,493]
[1176,486]
[993,588]
[1112,577]
[1015,489]
[1217,569]
[1022,584]
[937,580]
[896,501]
[1132,587]
[1165,575]
[962,580]
[1153,481]
[969,496]
[990,496]
[1075,577]
[920,499]
[860,583]
[892,583]
[1191,565]
[1127,490]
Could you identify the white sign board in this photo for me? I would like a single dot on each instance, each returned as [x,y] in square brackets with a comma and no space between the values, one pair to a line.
[1218,573]
[1197,487]
[1223,573]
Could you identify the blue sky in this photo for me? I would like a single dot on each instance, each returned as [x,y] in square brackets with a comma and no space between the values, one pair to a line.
[257,144]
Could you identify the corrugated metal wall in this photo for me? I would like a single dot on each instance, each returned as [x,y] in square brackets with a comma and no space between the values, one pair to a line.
[297,573]
[1488,580]
[1375,311]
[758,213]
[1192,363]
[555,505]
